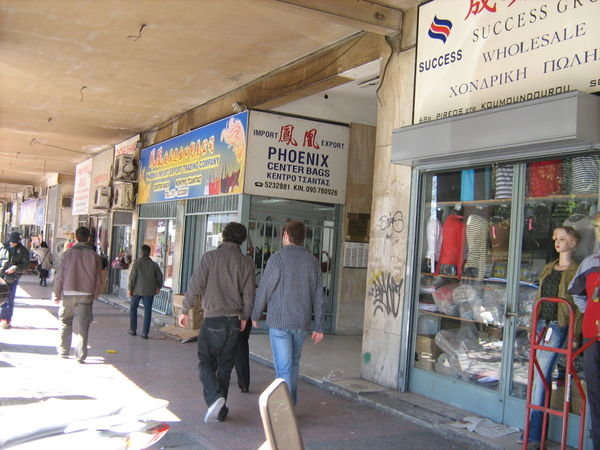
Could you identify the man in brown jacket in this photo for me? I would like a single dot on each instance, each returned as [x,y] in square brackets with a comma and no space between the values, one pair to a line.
[76,285]
[224,281]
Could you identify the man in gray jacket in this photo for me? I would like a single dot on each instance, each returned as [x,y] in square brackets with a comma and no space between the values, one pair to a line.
[224,281]
[145,281]
[76,285]
[292,287]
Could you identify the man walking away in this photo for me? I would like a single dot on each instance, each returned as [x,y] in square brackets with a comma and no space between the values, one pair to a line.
[77,284]
[145,281]
[292,287]
[224,281]
[12,269]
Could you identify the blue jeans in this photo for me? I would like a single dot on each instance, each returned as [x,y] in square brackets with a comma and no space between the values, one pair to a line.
[135,302]
[547,362]
[6,312]
[286,346]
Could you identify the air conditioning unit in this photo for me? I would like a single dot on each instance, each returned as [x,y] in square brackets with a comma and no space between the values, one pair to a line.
[28,192]
[102,197]
[123,196]
[125,168]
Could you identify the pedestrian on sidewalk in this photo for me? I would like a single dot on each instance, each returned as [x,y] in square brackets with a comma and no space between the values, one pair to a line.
[15,265]
[45,261]
[145,281]
[224,280]
[292,289]
[77,284]
[585,288]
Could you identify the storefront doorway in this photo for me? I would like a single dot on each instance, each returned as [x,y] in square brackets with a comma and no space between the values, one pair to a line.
[485,236]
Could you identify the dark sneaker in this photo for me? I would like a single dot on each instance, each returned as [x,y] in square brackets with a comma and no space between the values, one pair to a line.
[213,410]
[132,332]
[223,414]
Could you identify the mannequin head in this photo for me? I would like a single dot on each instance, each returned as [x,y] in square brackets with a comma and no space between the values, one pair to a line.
[597,226]
[565,239]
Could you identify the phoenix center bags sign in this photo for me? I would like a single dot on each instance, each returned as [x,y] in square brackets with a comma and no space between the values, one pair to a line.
[297,159]
[474,55]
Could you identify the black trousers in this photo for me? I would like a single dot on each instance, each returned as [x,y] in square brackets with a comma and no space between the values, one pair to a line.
[242,360]
[591,368]
[217,350]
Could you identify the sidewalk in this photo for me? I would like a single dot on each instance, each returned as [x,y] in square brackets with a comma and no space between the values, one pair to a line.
[339,373]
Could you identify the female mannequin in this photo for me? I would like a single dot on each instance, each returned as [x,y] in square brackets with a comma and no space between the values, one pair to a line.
[553,318]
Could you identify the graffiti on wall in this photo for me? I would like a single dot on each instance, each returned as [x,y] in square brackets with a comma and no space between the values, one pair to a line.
[385,292]
[393,221]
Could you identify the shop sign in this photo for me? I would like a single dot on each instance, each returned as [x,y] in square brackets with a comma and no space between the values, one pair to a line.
[474,55]
[81,191]
[40,210]
[207,161]
[128,147]
[295,158]
[101,173]
[27,216]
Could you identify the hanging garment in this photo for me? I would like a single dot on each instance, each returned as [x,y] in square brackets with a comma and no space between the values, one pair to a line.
[544,178]
[503,179]
[586,174]
[451,252]
[477,244]
[434,240]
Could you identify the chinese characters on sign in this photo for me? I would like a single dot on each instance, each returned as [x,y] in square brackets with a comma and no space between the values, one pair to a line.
[296,158]
[474,55]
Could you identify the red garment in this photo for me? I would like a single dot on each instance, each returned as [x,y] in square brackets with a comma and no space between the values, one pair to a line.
[453,234]
[591,316]
[544,178]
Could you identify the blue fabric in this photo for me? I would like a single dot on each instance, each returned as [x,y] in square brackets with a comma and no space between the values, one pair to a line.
[467,185]
[547,362]
[135,302]
[286,346]
[9,305]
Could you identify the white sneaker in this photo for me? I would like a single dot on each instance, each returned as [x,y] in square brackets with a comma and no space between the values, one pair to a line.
[213,410]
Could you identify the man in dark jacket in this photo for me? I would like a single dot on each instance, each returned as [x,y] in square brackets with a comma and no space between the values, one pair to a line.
[76,286]
[12,269]
[224,281]
[145,281]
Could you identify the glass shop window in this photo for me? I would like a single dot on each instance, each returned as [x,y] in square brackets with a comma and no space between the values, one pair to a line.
[159,234]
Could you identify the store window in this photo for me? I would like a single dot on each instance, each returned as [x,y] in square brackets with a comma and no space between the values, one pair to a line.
[215,223]
[562,196]
[474,281]
[159,234]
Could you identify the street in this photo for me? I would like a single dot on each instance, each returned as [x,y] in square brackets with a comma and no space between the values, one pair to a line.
[123,367]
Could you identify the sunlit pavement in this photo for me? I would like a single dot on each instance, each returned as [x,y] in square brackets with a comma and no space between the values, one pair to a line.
[125,369]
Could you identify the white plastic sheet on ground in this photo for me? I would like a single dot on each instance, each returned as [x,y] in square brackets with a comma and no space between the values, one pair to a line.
[485,427]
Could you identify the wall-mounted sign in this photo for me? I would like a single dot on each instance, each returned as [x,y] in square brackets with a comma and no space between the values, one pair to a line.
[81,190]
[204,162]
[128,147]
[101,175]
[296,158]
[474,55]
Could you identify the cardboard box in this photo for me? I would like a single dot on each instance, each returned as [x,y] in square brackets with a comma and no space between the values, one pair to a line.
[558,397]
[425,363]
[194,320]
[426,345]
[177,300]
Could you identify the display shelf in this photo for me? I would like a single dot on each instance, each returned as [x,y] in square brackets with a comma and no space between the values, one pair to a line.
[494,201]
[454,277]
[462,319]
[562,197]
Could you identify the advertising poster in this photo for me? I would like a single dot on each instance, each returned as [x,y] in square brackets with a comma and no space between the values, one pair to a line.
[101,173]
[81,191]
[203,162]
[295,158]
[474,55]
[128,147]
[27,216]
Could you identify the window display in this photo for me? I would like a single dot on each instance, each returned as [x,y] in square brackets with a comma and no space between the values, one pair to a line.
[465,292]
[159,234]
